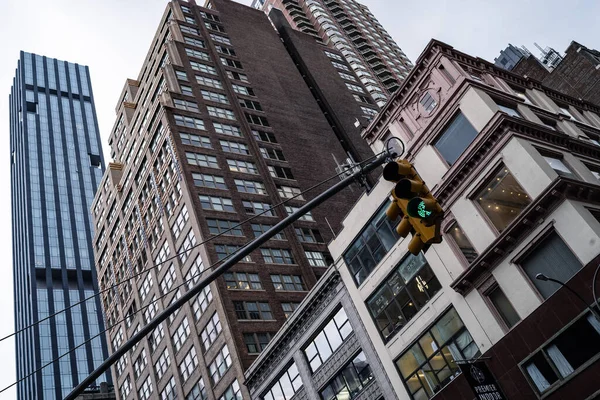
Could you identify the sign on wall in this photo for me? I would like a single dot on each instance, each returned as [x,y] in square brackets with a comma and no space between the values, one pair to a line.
[482,381]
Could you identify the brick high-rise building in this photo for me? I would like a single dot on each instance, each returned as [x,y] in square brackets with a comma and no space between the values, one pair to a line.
[227,118]
[351,28]
[56,166]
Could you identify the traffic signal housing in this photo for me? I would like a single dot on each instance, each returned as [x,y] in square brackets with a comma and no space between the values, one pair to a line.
[411,198]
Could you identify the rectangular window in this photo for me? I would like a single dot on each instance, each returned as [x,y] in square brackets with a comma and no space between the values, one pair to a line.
[224,227]
[220,39]
[338,65]
[286,386]
[272,154]
[430,364]
[234,147]
[201,160]
[203,68]
[259,229]
[197,54]
[564,355]
[402,295]
[347,76]
[428,102]
[256,119]
[369,112]
[231,63]
[253,187]
[161,365]
[288,192]
[280,172]
[242,281]
[225,250]
[369,248]
[289,308]
[509,110]
[210,181]
[263,136]
[350,381]
[146,389]
[169,392]
[179,223]
[232,392]
[502,199]
[181,334]
[239,89]
[181,75]
[189,122]
[225,50]
[306,217]
[354,88]
[237,76]
[252,310]
[216,97]
[328,340]
[218,112]
[214,27]
[308,235]
[198,392]
[455,138]
[257,207]
[594,169]
[202,80]
[256,342]
[186,105]
[228,130]
[462,242]
[195,140]
[523,96]
[250,104]
[189,364]
[503,307]
[318,258]
[557,164]
[288,283]
[194,42]
[216,203]
[277,256]
[553,258]
[188,29]
[242,166]
[211,331]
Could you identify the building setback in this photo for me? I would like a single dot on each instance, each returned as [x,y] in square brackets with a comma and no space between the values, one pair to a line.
[56,166]
[220,126]
[576,75]
[350,27]
[515,166]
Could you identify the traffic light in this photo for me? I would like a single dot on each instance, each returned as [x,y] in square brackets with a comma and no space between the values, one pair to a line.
[419,208]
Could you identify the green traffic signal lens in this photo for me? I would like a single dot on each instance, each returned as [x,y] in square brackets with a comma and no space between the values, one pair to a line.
[418,208]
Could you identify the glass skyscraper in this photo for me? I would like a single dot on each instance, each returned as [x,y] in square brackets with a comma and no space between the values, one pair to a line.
[56,166]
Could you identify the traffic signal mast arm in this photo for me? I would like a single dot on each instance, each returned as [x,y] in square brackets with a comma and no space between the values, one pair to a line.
[412,199]
[218,271]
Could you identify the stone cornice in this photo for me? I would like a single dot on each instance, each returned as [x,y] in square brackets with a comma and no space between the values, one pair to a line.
[561,188]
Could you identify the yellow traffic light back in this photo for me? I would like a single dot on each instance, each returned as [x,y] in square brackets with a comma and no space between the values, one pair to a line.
[412,198]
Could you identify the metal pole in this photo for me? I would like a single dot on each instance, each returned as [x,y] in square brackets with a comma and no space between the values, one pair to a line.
[593,310]
[243,252]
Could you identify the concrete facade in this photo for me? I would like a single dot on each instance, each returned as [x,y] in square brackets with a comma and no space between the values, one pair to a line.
[351,28]
[219,127]
[520,128]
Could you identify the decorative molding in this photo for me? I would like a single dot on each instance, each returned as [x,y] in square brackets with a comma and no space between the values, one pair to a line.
[561,188]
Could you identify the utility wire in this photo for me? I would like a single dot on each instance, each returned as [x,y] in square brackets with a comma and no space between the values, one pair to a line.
[178,254]
[185,282]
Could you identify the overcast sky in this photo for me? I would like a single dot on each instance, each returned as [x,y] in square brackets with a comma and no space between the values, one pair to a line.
[113,36]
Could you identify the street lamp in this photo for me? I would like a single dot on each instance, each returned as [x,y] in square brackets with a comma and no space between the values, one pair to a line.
[544,278]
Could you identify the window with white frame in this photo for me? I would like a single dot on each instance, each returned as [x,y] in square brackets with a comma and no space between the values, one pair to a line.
[146,286]
[201,160]
[186,246]
[318,258]
[219,112]
[234,147]
[198,391]
[186,105]
[202,80]
[277,256]
[197,54]
[216,203]
[162,363]
[229,130]
[220,364]
[209,181]
[232,392]
[169,392]
[181,334]
[242,166]
[254,187]
[168,280]
[146,389]
[288,283]
[180,222]
[286,386]
[328,340]
[189,122]
[201,302]
[224,227]
[306,217]
[213,96]
[211,331]
[189,364]
[207,69]
[257,207]
[194,42]
[139,364]
[242,281]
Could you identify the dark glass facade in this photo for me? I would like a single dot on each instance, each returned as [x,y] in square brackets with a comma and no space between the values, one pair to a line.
[56,165]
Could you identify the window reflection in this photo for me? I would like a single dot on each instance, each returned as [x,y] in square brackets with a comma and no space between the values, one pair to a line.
[430,364]
[462,242]
[502,199]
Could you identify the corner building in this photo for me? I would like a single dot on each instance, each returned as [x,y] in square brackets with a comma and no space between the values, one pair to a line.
[56,167]
[351,28]
[219,126]
[515,166]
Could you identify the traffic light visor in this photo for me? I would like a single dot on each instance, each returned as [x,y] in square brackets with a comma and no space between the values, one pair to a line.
[396,170]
